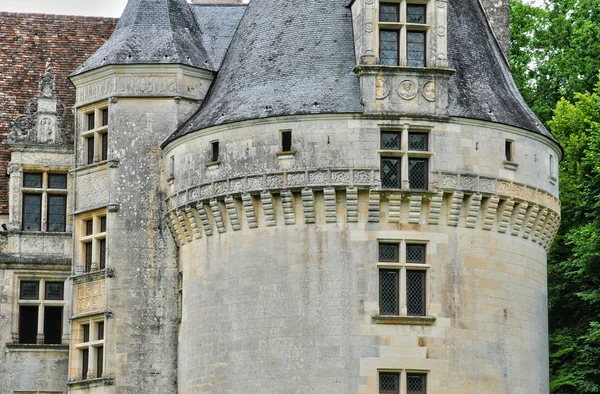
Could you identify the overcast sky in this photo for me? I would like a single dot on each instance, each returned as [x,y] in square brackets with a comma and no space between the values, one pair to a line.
[112,8]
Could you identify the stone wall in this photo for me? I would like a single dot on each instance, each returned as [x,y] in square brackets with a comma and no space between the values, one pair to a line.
[28,40]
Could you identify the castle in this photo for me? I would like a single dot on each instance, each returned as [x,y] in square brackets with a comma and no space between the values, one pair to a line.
[300,196]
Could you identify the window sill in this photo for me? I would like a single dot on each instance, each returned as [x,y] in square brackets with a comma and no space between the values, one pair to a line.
[286,155]
[405,320]
[35,232]
[89,276]
[93,382]
[552,180]
[86,168]
[21,347]
[213,165]
[511,165]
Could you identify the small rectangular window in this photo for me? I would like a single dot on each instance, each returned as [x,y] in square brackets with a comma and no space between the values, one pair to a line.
[28,324]
[54,291]
[57,212]
[389,12]
[418,174]
[286,141]
[415,254]
[417,141]
[30,290]
[90,150]
[32,179]
[85,355]
[389,382]
[57,181]
[415,48]
[88,257]
[390,173]
[86,332]
[32,212]
[415,13]
[390,140]
[415,292]
[389,252]
[508,150]
[90,121]
[551,165]
[104,141]
[99,361]
[214,151]
[53,325]
[388,292]
[171,166]
[105,117]
[102,245]
[416,383]
[100,331]
[389,47]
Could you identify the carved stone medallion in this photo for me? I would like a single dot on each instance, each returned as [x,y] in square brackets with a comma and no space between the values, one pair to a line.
[407,89]
[382,89]
[429,91]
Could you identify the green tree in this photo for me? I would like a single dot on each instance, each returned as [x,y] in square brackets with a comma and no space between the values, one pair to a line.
[574,261]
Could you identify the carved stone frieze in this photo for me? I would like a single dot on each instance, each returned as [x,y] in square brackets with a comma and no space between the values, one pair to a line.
[89,296]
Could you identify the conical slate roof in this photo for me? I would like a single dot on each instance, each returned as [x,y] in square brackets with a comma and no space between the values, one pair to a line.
[153,32]
[287,57]
[297,57]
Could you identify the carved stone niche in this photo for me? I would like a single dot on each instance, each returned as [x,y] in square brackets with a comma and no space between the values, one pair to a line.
[404,90]
[44,120]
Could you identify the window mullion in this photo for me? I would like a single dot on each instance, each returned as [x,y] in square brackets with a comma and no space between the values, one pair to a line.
[40,329]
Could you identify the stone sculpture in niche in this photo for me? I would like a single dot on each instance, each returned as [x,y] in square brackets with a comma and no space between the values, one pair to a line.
[44,120]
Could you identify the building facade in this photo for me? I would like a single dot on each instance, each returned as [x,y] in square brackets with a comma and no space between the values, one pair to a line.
[301,197]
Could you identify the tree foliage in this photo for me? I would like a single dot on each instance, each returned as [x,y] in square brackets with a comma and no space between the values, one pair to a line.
[555,58]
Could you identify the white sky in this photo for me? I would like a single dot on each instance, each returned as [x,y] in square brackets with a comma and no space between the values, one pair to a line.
[112,8]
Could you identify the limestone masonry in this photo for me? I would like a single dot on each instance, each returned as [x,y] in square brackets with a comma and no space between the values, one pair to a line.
[316,196]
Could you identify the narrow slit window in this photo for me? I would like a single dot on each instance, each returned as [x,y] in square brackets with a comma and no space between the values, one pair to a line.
[214,151]
[102,245]
[509,150]
[551,165]
[171,166]
[286,141]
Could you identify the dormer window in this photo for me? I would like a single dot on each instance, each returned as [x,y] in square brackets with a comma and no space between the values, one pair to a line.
[402,34]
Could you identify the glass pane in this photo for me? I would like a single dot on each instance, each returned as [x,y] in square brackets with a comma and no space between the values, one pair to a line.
[415,13]
[53,325]
[32,212]
[54,290]
[389,382]
[390,140]
[104,138]
[388,252]
[32,179]
[102,244]
[57,181]
[417,174]
[388,47]
[90,121]
[105,117]
[417,141]
[100,331]
[88,257]
[90,150]
[100,361]
[389,12]
[390,173]
[86,332]
[28,324]
[85,354]
[388,292]
[415,254]
[416,383]
[103,224]
[57,211]
[89,227]
[415,293]
[415,50]
[29,290]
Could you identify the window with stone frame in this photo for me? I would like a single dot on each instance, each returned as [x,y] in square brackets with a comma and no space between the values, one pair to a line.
[95,133]
[404,156]
[41,311]
[91,234]
[403,28]
[402,278]
[391,382]
[87,357]
[44,199]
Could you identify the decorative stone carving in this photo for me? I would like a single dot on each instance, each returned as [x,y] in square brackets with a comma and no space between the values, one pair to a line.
[429,91]
[382,89]
[407,89]
[89,297]
[340,177]
[44,120]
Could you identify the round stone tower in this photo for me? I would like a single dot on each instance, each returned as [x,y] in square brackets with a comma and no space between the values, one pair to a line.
[363,204]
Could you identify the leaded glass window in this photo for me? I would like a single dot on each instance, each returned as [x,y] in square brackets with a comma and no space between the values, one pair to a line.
[389,46]
[29,290]
[416,383]
[415,254]
[389,12]
[415,292]
[415,13]
[57,181]
[390,173]
[32,212]
[415,48]
[417,141]
[417,174]
[388,292]
[32,179]
[389,382]
[57,212]
[54,290]
[389,252]
[390,140]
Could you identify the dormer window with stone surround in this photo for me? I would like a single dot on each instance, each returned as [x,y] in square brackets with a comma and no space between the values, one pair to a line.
[403,31]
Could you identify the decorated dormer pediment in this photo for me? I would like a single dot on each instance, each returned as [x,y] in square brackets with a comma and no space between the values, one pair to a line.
[43,122]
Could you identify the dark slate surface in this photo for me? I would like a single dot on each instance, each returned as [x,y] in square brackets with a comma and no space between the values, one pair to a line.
[287,57]
[482,87]
[153,32]
[218,24]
